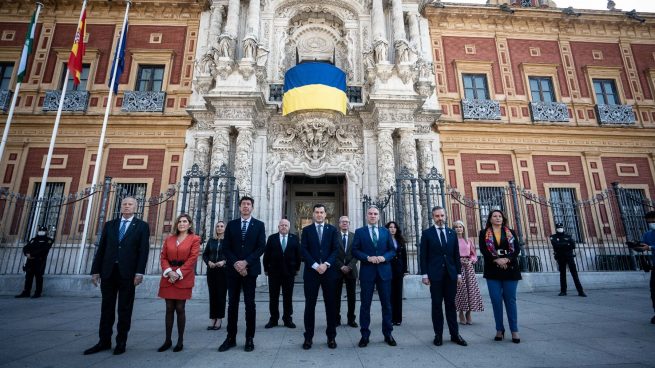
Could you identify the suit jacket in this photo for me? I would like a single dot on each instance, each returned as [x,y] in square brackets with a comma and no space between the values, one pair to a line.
[435,257]
[279,263]
[363,247]
[345,257]
[399,262]
[325,251]
[131,253]
[187,251]
[250,250]
[496,273]
[213,252]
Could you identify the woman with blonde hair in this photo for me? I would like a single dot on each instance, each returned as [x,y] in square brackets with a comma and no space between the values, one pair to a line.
[468,297]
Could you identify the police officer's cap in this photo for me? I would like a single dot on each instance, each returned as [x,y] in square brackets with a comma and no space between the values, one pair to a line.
[43,228]
[559,224]
[650,215]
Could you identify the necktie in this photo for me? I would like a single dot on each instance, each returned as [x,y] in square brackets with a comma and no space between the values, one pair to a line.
[320,233]
[284,243]
[344,240]
[375,235]
[121,231]
[442,237]
[244,227]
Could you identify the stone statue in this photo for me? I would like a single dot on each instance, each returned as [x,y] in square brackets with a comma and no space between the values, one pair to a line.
[225,45]
[380,48]
[249,48]
[402,51]
[205,65]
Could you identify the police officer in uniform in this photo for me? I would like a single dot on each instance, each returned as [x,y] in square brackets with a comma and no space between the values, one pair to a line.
[36,251]
[563,245]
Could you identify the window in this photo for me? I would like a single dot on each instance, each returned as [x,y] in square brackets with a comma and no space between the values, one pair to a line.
[605,90]
[475,87]
[633,207]
[563,204]
[150,78]
[83,78]
[489,199]
[6,70]
[49,213]
[136,190]
[541,89]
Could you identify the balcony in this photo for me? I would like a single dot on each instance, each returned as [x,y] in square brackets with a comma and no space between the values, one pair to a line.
[74,101]
[5,99]
[143,101]
[615,114]
[481,109]
[276,91]
[549,111]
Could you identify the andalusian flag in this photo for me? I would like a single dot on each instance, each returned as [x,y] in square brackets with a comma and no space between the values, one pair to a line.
[314,85]
[77,52]
[27,48]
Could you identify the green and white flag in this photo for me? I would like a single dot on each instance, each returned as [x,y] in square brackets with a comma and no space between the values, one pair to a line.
[27,48]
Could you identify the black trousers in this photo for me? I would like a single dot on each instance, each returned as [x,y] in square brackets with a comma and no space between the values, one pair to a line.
[562,262]
[312,284]
[235,283]
[115,288]
[444,292]
[397,298]
[652,287]
[34,269]
[275,283]
[217,287]
[351,296]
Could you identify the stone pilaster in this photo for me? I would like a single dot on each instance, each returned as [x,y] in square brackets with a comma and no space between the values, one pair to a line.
[243,160]
[407,150]
[215,24]
[202,153]
[386,173]
[220,148]
[380,42]
[425,157]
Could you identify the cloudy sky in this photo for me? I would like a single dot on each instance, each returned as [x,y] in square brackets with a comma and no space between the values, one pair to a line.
[627,5]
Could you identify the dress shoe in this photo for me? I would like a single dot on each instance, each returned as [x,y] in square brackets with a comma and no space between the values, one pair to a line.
[353,324]
[390,340]
[97,348]
[582,294]
[332,344]
[119,349]
[167,344]
[363,342]
[39,295]
[458,340]
[289,324]
[271,324]
[501,337]
[227,344]
[23,295]
[396,323]
[438,341]
[516,340]
[178,347]
[250,345]
[563,293]
[307,345]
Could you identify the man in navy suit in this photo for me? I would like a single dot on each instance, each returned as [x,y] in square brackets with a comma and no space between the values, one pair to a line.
[281,264]
[319,244]
[244,242]
[373,246]
[119,265]
[439,261]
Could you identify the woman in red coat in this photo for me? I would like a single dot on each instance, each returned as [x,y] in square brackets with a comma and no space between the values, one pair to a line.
[178,258]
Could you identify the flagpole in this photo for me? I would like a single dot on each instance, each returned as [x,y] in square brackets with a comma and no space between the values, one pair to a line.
[46,169]
[98,162]
[14,99]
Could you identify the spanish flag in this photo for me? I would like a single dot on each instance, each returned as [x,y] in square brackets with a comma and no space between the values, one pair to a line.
[77,52]
[314,85]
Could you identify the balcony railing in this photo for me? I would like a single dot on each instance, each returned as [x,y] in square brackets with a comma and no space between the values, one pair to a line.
[481,109]
[74,101]
[276,91]
[549,111]
[615,114]
[5,99]
[143,101]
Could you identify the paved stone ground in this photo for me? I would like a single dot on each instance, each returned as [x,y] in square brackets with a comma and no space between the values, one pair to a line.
[610,328]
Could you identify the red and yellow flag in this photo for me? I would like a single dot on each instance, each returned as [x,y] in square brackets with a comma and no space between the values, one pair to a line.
[77,52]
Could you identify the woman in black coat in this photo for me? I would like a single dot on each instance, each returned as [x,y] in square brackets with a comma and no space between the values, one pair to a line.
[216,278]
[398,271]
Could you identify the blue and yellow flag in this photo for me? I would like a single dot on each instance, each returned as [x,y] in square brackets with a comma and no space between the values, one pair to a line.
[314,85]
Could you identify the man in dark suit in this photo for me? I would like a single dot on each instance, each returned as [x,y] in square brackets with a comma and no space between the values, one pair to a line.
[373,246]
[119,265]
[439,251]
[346,263]
[244,242]
[281,264]
[319,245]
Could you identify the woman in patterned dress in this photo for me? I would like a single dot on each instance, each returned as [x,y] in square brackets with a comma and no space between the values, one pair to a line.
[468,297]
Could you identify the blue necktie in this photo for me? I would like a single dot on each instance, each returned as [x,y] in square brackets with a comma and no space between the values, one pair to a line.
[284,243]
[320,233]
[344,240]
[121,231]
[375,236]
[244,227]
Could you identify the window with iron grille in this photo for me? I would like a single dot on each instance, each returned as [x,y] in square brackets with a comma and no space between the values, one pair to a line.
[490,199]
[633,208]
[541,89]
[49,214]
[136,190]
[150,78]
[475,86]
[605,90]
[565,210]
[84,78]
[6,70]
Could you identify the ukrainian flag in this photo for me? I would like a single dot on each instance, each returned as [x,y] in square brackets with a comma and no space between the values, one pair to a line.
[314,85]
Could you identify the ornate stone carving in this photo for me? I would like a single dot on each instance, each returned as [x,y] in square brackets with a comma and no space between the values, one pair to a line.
[249,48]
[243,160]
[407,150]
[224,67]
[425,157]
[381,49]
[220,148]
[402,51]
[386,176]
[226,44]
[202,153]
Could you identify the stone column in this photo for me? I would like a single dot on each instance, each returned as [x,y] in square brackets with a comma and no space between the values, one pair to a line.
[414,32]
[227,40]
[202,153]
[220,148]
[407,150]
[398,20]
[215,24]
[425,158]
[252,31]
[243,160]
[386,173]
[380,42]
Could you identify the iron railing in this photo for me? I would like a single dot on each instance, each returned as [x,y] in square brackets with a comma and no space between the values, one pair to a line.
[74,101]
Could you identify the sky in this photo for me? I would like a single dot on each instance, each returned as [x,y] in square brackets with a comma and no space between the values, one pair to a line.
[625,5]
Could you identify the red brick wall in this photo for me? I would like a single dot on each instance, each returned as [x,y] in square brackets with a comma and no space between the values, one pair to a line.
[520,53]
[32,168]
[19,40]
[153,171]
[582,56]
[644,59]
[645,176]
[470,174]
[485,51]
